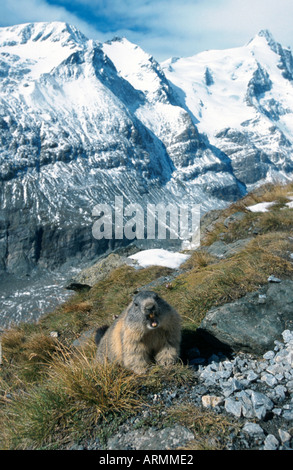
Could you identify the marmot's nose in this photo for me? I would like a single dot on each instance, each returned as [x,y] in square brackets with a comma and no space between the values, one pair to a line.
[150,308]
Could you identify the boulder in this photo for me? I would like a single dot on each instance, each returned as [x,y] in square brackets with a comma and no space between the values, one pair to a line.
[220,249]
[253,322]
[88,277]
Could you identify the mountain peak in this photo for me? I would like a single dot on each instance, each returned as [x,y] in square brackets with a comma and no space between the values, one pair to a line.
[265,33]
[127,46]
[270,40]
[40,31]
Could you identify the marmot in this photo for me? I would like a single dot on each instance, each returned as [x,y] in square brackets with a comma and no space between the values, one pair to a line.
[149,330]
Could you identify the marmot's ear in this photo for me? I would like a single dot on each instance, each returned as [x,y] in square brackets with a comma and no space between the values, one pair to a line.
[135,292]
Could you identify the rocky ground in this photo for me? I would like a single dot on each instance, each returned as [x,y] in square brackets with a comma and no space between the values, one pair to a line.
[255,392]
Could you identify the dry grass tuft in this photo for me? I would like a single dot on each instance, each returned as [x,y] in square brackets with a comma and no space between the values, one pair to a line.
[75,394]
[209,428]
[198,260]
[26,354]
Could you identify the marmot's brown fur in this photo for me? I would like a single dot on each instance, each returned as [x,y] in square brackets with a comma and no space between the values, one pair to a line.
[149,330]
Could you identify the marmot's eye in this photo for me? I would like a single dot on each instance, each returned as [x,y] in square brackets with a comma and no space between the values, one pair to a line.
[136,304]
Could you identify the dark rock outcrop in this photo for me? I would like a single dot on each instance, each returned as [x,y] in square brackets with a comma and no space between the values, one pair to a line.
[253,322]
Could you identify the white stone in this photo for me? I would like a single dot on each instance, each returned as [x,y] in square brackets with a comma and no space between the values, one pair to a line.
[271,443]
[210,401]
[253,429]
[284,435]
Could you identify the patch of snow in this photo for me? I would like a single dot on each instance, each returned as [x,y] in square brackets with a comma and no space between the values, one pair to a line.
[261,207]
[160,257]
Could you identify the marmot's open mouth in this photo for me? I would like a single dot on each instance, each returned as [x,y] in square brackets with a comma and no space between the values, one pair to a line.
[153,322]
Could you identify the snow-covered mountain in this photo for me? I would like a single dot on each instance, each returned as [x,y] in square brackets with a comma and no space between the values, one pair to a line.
[242,99]
[82,122]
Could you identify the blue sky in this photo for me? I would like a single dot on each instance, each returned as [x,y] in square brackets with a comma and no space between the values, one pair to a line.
[164,28]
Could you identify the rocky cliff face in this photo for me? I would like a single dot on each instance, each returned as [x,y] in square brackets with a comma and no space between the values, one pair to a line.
[82,122]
